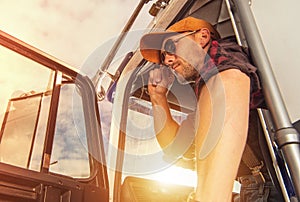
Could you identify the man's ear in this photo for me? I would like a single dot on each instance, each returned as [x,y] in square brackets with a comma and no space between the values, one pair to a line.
[203,37]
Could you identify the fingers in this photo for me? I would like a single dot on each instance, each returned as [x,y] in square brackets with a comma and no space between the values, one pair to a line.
[161,76]
[158,82]
[155,77]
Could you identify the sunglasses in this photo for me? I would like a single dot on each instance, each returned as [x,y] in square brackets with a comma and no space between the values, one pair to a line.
[169,45]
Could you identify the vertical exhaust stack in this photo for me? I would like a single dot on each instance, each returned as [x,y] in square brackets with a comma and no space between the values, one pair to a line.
[287,137]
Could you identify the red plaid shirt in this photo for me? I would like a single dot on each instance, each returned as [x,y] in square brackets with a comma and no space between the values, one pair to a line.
[226,54]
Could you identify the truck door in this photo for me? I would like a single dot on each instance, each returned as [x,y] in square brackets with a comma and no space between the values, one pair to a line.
[50,139]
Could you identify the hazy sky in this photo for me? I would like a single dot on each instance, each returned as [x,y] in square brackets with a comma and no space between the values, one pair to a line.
[69,30]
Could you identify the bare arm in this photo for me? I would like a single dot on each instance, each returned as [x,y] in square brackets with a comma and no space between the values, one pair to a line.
[223,114]
[164,125]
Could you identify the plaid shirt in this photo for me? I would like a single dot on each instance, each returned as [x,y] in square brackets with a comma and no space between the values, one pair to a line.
[226,54]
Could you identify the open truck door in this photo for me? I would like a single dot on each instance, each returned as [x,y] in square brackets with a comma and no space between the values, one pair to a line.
[50,139]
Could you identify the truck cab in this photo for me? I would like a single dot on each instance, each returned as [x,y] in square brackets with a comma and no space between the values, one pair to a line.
[69,136]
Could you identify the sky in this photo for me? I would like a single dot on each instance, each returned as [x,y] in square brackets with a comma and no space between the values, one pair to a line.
[69,30]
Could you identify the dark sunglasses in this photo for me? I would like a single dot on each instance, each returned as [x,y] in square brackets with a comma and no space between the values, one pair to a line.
[169,45]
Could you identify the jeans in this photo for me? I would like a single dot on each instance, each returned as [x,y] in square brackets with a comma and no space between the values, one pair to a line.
[251,191]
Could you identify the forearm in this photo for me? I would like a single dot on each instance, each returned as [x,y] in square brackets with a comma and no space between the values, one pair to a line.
[165,126]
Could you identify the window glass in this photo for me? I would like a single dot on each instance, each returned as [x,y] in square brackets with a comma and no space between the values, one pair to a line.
[70,154]
[26,93]
[25,88]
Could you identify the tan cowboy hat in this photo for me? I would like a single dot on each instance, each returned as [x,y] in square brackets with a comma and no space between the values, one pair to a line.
[150,44]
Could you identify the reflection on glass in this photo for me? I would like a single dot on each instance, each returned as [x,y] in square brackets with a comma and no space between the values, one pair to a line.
[26,89]
[21,118]
[70,153]
[24,105]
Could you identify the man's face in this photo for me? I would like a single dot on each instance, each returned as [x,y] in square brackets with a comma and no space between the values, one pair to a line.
[183,55]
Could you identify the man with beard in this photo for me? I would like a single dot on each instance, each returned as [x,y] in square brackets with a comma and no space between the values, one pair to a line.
[226,86]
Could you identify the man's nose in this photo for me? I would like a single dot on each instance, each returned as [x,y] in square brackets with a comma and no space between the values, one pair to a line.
[169,59]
